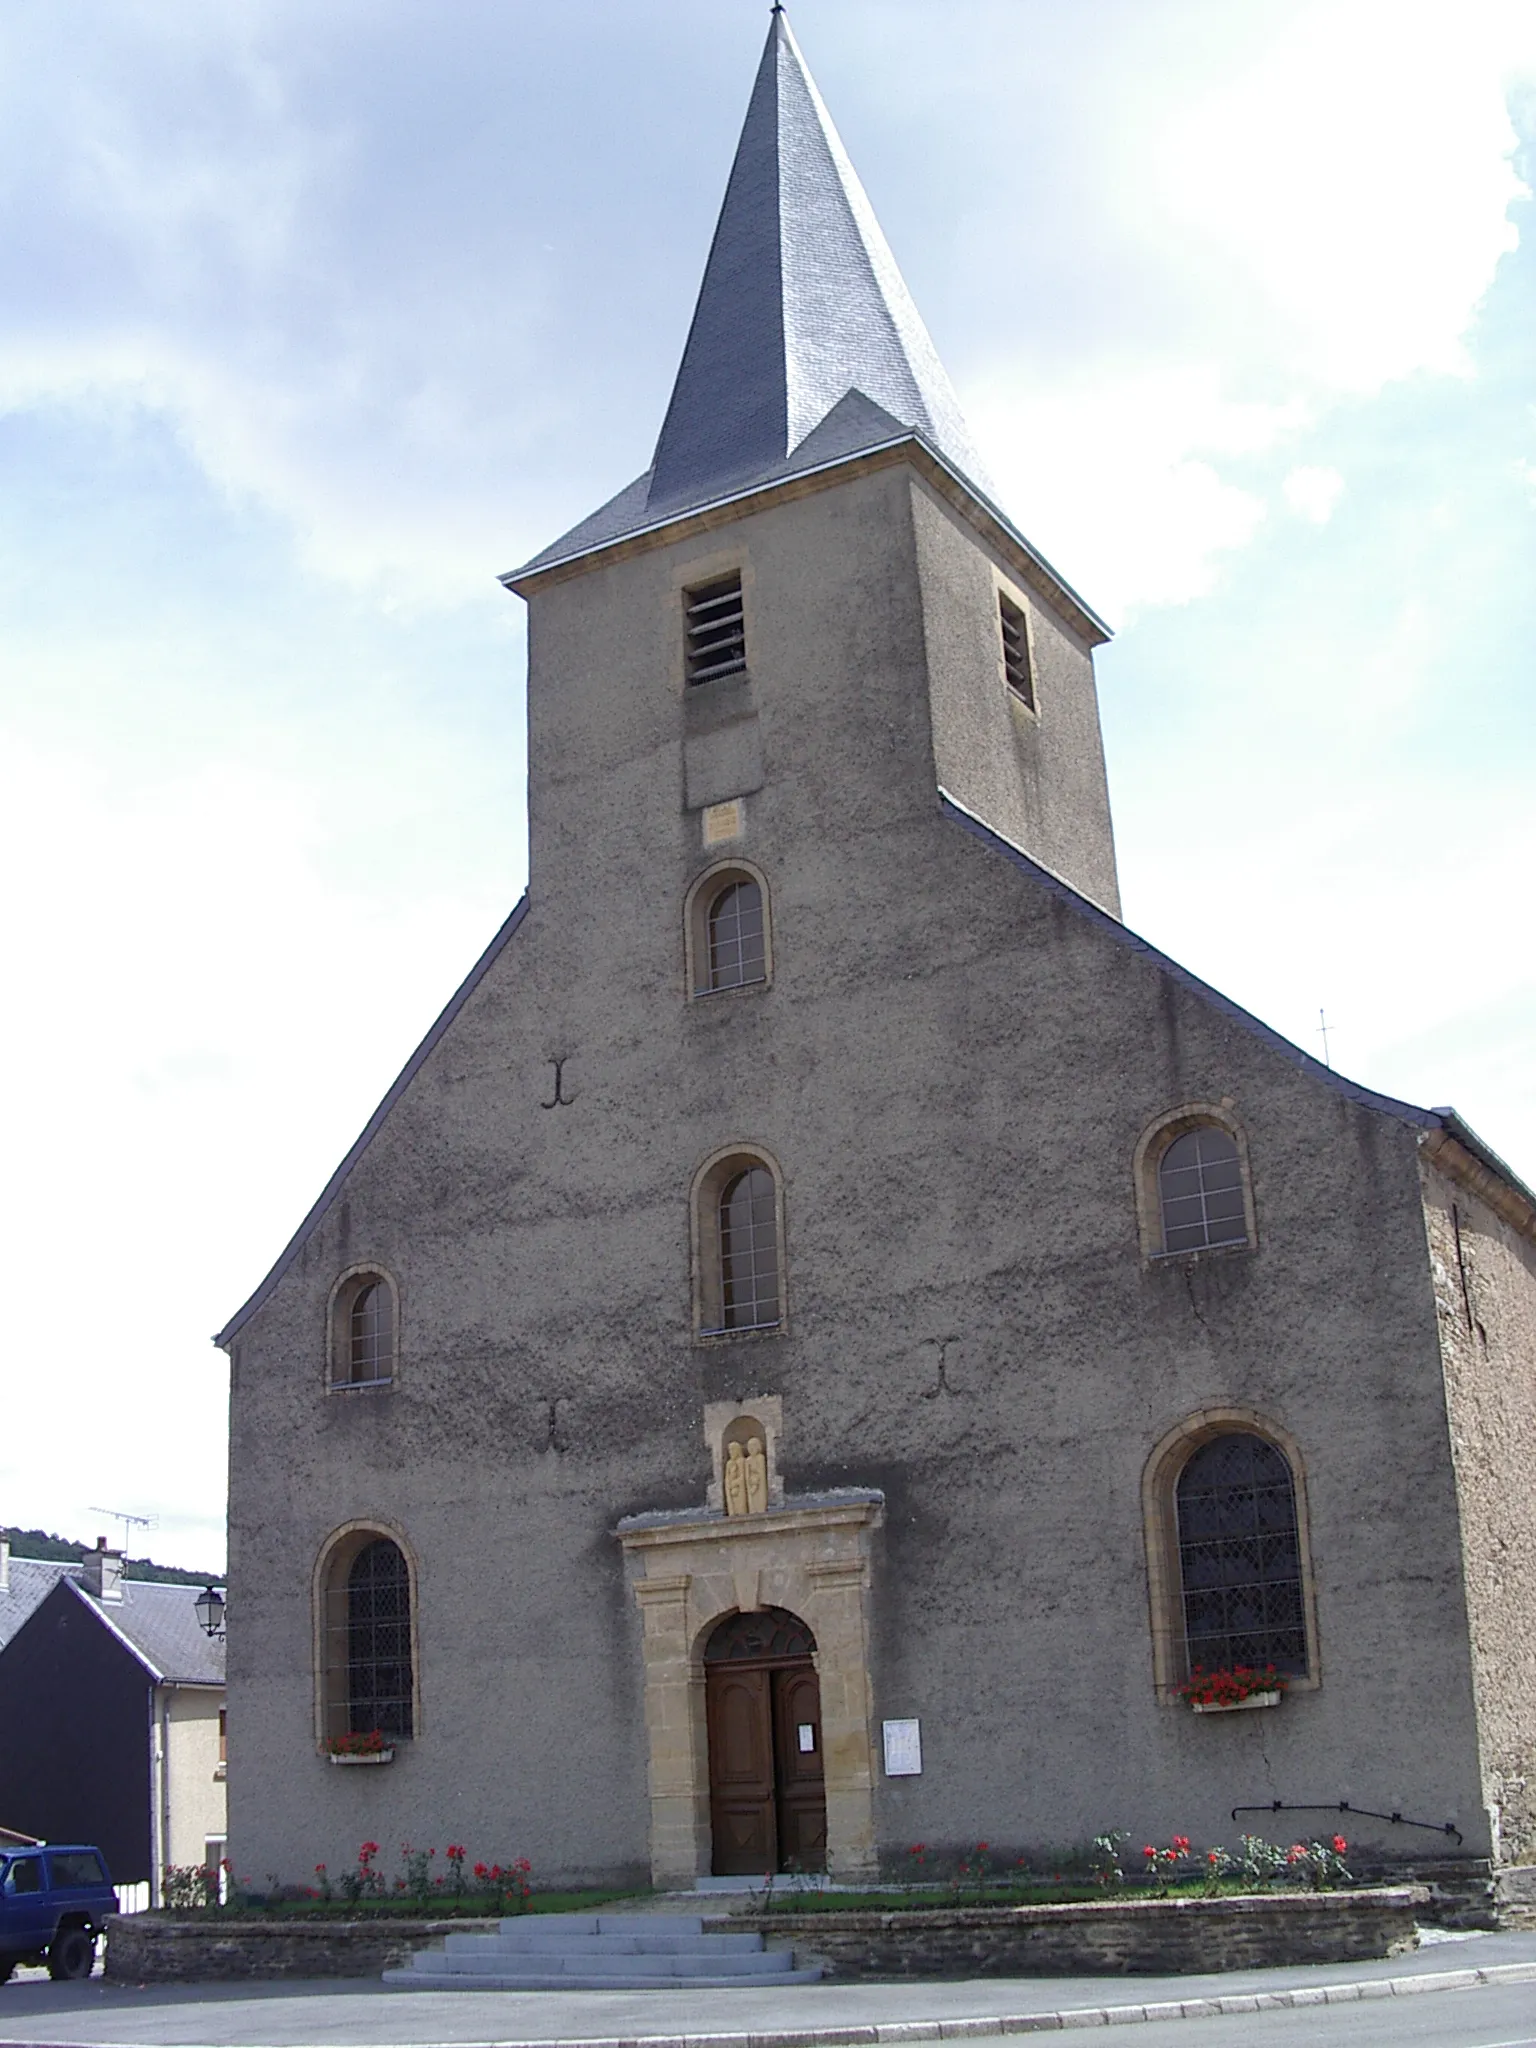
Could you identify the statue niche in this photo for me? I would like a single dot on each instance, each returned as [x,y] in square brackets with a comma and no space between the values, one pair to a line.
[744,1467]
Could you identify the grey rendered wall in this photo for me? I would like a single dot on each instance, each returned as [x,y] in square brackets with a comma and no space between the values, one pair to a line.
[1036,777]
[952,1066]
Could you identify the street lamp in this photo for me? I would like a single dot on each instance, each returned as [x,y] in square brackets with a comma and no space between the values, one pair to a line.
[209,1609]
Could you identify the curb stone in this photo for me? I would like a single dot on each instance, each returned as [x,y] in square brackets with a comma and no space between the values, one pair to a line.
[878,2034]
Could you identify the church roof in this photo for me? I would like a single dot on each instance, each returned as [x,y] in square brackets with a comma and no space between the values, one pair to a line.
[806,348]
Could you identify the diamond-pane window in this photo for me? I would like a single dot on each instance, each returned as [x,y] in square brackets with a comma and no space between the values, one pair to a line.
[378,1649]
[1240,1558]
[749,1251]
[1200,1190]
[717,631]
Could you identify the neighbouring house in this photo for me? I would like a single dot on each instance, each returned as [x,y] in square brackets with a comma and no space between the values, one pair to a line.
[112,1715]
[831,1331]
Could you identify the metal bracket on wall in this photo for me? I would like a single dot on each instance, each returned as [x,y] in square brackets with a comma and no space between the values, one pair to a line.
[559,1100]
[941,1384]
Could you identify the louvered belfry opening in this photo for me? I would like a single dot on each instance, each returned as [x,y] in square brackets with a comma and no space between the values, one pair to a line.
[1016,651]
[717,632]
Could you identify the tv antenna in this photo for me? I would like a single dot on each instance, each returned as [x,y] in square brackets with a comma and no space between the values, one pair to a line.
[1322,1032]
[128,1521]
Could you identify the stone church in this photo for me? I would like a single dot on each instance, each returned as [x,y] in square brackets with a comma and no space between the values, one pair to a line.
[830,1329]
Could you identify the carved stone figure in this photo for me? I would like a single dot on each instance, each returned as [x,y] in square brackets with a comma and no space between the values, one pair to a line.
[757,1477]
[736,1483]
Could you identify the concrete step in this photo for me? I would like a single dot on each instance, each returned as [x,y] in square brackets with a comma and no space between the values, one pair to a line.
[574,1980]
[556,1962]
[555,1942]
[597,1952]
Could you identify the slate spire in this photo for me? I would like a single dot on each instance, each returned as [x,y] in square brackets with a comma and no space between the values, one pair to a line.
[801,305]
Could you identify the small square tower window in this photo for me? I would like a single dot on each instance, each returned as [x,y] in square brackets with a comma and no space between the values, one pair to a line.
[1016,651]
[717,632]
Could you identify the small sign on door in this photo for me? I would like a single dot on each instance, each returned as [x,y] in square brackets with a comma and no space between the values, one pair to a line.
[806,1730]
[903,1749]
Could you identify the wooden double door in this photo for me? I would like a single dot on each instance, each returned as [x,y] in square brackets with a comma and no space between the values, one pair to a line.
[767,1795]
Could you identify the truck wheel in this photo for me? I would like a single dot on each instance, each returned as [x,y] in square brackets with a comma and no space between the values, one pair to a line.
[73,1953]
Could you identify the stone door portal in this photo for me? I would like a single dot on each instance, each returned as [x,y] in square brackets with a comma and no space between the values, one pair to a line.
[767,1794]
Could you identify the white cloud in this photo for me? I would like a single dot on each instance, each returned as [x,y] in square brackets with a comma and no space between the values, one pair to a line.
[1116,477]
[1313,492]
[1352,177]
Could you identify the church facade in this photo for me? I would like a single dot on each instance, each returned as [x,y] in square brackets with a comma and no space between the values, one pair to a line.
[830,1331]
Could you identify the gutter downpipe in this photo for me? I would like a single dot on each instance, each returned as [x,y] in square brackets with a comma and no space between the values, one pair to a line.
[159,1796]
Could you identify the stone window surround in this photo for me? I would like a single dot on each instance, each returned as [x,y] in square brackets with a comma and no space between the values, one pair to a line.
[689,1571]
[704,1232]
[327,1588]
[1160,1527]
[696,906]
[338,1335]
[1003,588]
[1150,1147]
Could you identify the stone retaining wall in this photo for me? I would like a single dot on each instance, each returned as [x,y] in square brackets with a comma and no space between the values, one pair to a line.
[1107,1938]
[1111,1937]
[150,1948]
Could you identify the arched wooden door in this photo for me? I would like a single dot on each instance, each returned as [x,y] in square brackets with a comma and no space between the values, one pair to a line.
[767,1796]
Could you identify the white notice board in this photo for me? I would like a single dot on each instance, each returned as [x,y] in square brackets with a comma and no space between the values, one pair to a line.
[903,1749]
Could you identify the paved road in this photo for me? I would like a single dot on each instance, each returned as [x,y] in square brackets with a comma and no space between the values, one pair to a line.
[1499,2016]
[350,2015]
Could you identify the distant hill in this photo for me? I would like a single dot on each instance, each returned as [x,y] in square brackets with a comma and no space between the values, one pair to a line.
[59,1549]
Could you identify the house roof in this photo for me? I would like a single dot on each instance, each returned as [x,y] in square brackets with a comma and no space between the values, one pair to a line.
[157,1622]
[806,349]
[30,1581]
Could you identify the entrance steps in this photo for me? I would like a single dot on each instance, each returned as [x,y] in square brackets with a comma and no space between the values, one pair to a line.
[599,1952]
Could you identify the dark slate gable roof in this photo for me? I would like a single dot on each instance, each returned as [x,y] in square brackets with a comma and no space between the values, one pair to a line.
[375,1123]
[32,1579]
[157,1622]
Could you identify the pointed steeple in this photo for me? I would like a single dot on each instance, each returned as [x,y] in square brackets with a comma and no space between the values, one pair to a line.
[805,348]
[801,305]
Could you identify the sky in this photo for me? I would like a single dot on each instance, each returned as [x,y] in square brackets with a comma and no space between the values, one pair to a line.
[316,319]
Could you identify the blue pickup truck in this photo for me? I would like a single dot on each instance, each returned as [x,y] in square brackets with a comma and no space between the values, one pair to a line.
[54,1901]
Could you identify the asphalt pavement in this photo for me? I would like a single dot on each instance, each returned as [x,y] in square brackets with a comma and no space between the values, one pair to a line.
[1471,1992]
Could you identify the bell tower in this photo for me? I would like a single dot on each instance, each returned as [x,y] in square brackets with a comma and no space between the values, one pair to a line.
[811,605]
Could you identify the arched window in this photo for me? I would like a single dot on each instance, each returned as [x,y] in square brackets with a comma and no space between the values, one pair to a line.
[749,1251]
[1200,1191]
[368,1664]
[736,954]
[727,926]
[738,1227]
[363,1331]
[1240,1557]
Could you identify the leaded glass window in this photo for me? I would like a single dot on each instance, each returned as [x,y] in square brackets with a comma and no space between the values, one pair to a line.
[1200,1189]
[749,1251]
[1240,1558]
[379,1688]
[370,1334]
[737,954]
